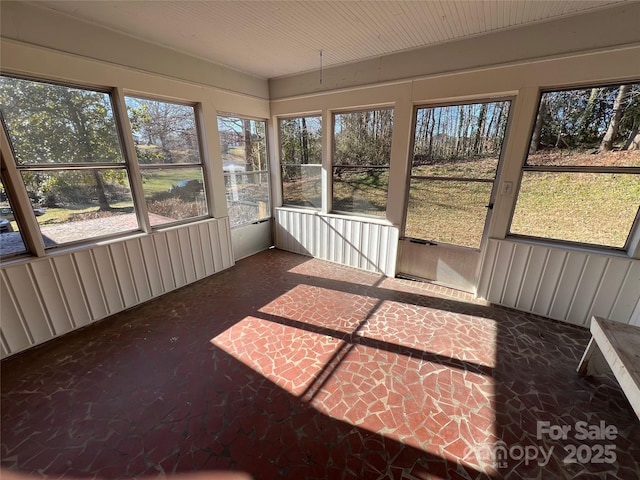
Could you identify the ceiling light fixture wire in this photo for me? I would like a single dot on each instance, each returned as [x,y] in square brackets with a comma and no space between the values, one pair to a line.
[320,67]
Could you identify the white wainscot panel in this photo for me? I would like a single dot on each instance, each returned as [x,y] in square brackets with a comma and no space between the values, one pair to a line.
[354,242]
[563,284]
[251,239]
[46,297]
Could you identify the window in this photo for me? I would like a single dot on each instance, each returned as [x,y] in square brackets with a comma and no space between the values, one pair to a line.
[11,242]
[301,161]
[167,148]
[581,180]
[68,154]
[361,157]
[456,150]
[246,169]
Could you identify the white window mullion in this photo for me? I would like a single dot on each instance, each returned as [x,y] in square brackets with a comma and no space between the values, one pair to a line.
[30,230]
[129,150]
[327,161]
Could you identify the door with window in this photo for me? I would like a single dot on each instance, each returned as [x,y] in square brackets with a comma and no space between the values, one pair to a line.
[455,159]
[243,144]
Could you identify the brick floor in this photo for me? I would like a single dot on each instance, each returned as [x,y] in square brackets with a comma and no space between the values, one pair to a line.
[289,367]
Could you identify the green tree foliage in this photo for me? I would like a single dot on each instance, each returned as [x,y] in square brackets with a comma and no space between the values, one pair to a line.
[248,136]
[459,132]
[301,140]
[363,138]
[164,132]
[579,119]
[300,144]
[56,125]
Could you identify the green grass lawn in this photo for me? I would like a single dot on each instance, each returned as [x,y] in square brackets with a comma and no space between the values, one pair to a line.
[364,193]
[159,181]
[579,207]
[448,211]
[583,207]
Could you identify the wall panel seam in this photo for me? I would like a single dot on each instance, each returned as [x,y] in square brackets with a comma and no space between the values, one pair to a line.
[597,292]
[130,272]
[14,301]
[524,275]
[143,259]
[115,274]
[85,297]
[492,272]
[542,273]
[4,343]
[506,278]
[63,294]
[565,256]
[41,302]
[492,269]
[622,284]
[100,285]
[193,258]
[577,286]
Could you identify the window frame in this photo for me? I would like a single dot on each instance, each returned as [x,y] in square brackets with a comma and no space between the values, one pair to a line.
[281,164]
[17,215]
[332,165]
[140,167]
[16,189]
[509,100]
[631,247]
[266,172]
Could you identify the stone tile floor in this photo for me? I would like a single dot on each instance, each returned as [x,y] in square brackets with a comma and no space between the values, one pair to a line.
[289,367]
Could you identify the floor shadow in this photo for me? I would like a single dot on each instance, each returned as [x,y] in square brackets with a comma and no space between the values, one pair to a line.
[145,393]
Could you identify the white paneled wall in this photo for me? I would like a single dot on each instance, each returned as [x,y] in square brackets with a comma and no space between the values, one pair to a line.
[354,242]
[568,285]
[47,297]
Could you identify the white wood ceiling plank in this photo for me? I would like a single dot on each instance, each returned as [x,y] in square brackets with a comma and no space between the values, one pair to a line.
[273,38]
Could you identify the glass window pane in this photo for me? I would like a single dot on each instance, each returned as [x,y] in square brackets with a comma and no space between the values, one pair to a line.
[243,143]
[302,185]
[460,140]
[362,153]
[163,132]
[173,194]
[247,197]
[448,211]
[363,138]
[360,190]
[588,127]
[56,124]
[592,208]
[301,141]
[81,204]
[11,242]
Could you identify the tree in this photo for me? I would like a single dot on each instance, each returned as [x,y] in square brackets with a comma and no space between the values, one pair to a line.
[363,138]
[247,134]
[459,132]
[614,123]
[57,125]
[165,132]
[537,129]
[633,142]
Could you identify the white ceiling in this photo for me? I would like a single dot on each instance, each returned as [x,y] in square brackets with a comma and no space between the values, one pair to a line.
[275,38]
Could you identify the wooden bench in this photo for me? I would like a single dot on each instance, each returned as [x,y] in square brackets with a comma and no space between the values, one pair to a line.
[615,346]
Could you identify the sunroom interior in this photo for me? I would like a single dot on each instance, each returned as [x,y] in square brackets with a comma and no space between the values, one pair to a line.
[317,240]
